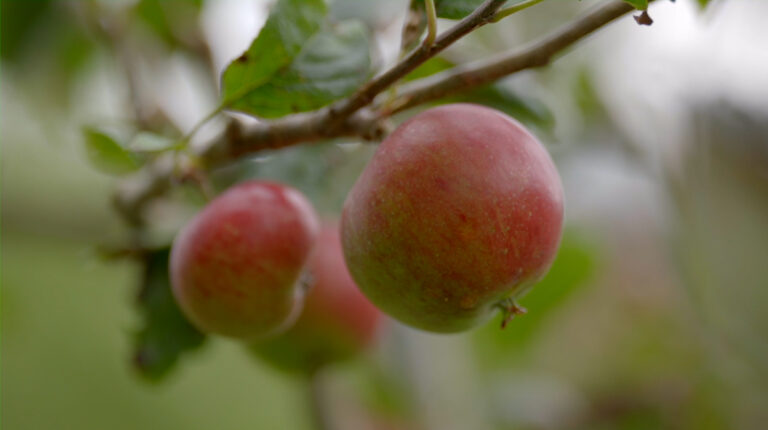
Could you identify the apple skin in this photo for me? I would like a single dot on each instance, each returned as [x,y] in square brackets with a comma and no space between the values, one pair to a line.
[459,209]
[235,267]
[337,321]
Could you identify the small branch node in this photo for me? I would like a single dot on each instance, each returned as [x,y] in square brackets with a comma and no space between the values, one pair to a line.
[510,309]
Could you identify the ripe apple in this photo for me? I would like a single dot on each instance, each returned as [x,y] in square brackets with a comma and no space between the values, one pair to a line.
[235,267]
[459,211]
[337,321]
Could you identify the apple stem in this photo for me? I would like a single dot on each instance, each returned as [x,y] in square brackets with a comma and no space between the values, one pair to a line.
[510,309]
[320,417]
[431,23]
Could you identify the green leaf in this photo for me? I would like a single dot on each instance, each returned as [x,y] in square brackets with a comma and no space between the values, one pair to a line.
[106,154]
[703,4]
[458,9]
[331,65]
[572,268]
[289,27]
[165,334]
[151,142]
[638,4]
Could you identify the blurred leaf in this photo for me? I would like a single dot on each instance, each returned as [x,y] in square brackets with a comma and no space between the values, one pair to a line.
[497,96]
[586,95]
[289,27]
[572,268]
[74,48]
[165,334]
[374,13]
[17,19]
[703,3]
[106,154]
[524,109]
[165,16]
[152,13]
[457,9]
[454,9]
[430,67]
[151,142]
[54,45]
[332,65]
[305,167]
[322,171]
[638,4]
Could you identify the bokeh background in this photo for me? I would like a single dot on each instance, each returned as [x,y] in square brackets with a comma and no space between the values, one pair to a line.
[655,314]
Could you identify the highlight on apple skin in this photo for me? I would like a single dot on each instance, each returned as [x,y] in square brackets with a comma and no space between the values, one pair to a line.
[235,267]
[459,212]
[337,321]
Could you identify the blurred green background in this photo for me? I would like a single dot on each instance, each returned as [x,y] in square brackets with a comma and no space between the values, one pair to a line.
[654,315]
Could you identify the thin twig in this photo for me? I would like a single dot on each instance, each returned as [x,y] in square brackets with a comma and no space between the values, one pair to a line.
[340,111]
[537,54]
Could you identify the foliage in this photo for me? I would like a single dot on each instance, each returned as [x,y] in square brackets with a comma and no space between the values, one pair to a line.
[498,96]
[297,63]
[165,333]
[19,18]
[106,153]
[638,4]
[457,9]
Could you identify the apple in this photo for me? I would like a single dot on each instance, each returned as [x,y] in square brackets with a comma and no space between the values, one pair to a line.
[235,267]
[459,212]
[337,322]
